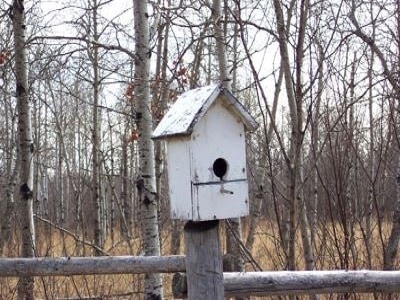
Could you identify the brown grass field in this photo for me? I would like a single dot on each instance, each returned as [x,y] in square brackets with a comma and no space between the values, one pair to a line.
[266,252]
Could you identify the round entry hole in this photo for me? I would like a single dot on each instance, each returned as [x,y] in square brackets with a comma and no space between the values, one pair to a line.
[220,166]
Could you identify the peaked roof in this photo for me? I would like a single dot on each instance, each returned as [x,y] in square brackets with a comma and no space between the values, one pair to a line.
[191,106]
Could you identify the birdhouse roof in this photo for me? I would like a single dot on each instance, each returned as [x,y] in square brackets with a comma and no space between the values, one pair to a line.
[191,106]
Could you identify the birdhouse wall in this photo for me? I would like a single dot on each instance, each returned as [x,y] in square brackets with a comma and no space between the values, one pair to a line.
[197,191]
[218,135]
[179,176]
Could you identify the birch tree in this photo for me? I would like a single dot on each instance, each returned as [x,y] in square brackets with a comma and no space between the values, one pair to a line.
[10,143]
[295,93]
[25,207]
[146,181]
[96,191]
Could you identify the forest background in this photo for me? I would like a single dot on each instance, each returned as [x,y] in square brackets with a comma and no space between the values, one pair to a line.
[321,78]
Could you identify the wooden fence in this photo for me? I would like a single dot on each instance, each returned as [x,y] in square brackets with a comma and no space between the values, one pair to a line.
[199,274]
[238,284]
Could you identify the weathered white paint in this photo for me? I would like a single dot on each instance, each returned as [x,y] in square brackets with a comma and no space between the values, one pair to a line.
[195,191]
[218,135]
[210,124]
[178,158]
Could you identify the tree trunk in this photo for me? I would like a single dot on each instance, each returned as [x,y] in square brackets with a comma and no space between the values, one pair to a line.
[255,213]
[5,229]
[96,190]
[176,237]
[295,100]
[160,95]
[220,45]
[60,180]
[291,171]
[233,231]
[394,237]
[315,145]
[371,192]
[12,175]
[146,181]
[26,147]
[126,216]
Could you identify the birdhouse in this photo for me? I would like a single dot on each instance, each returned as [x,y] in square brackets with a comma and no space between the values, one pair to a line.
[206,154]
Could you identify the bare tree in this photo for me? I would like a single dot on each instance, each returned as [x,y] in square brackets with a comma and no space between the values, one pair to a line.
[146,181]
[10,144]
[295,93]
[394,237]
[96,165]
[25,140]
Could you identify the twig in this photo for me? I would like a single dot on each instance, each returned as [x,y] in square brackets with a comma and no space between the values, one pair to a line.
[76,238]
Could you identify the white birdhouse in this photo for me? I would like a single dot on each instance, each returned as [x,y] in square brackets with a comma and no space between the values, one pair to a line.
[206,154]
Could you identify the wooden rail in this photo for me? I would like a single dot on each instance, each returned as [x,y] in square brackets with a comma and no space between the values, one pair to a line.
[235,284]
[65,266]
[301,282]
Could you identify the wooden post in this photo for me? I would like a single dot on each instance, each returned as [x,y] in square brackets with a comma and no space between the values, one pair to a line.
[203,260]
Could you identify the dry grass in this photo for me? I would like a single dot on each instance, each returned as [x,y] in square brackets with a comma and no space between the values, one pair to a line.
[267,251]
[331,250]
[330,253]
[54,243]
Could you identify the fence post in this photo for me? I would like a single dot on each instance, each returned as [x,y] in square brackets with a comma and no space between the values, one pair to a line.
[203,260]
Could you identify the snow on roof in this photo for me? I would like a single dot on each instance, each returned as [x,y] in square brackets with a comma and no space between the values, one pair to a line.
[191,105]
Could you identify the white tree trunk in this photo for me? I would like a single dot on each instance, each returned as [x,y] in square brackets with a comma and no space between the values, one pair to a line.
[220,45]
[12,174]
[25,207]
[146,182]
[5,228]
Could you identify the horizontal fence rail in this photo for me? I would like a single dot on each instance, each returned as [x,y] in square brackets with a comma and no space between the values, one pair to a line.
[312,282]
[235,284]
[301,282]
[65,266]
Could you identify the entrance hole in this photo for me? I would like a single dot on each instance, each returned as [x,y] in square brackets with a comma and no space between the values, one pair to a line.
[220,167]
